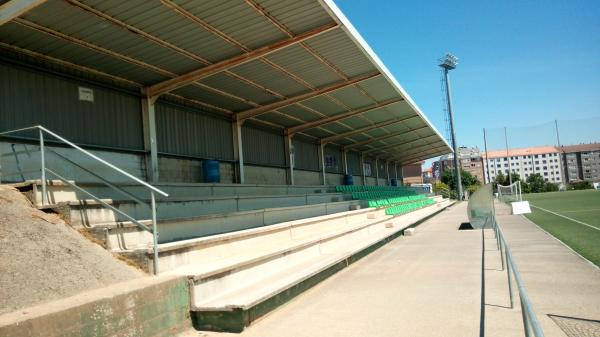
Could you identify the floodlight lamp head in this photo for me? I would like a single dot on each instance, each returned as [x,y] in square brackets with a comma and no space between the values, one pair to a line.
[448,62]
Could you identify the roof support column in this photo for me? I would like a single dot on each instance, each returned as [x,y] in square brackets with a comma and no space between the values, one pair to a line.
[387,171]
[377,171]
[345,160]
[149,128]
[362,169]
[396,170]
[289,151]
[401,181]
[238,151]
[322,162]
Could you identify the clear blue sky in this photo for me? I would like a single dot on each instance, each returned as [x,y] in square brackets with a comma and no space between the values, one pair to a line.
[520,62]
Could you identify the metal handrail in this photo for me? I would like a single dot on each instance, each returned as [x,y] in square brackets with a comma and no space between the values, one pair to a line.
[530,322]
[45,170]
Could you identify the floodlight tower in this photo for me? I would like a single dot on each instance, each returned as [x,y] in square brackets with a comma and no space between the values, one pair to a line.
[448,63]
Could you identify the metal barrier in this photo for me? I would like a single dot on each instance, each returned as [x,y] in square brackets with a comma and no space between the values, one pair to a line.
[530,322]
[45,170]
[482,214]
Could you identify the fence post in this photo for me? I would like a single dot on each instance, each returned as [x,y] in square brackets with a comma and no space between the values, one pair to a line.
[43,163]
[510,292]
[154,233]
[502,244]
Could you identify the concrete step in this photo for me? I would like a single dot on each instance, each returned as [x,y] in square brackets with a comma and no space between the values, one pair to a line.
[228,296]
[203,254]
[88,213]
[124,236]
[61,192]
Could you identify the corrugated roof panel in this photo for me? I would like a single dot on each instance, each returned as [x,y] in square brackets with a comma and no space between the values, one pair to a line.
[377,132]
[230,84]
[336,128]
[87,27]
[279,119]
[265,75]
[338,48]
[15,34]
[299,112]
[379,88]
[400,110]
[301,63]
[358,138]
[352,96]
[236,19]
[381,115]
[166,24]
[317,133]
[324,105]
[297,15]
[356,122]
[203,95]
[402,127]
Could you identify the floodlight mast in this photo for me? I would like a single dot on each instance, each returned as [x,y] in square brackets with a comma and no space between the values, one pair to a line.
[447,63]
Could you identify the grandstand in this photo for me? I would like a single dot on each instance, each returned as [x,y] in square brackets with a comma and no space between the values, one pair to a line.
[249,160]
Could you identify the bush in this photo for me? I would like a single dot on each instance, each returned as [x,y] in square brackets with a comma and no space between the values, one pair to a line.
[550,187]
[581,185]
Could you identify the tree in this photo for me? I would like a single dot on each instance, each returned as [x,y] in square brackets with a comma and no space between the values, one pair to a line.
[467,179]
[550,187]
[499,180]
[536,183]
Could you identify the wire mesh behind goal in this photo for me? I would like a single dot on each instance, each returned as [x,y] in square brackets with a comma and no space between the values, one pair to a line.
[510,193]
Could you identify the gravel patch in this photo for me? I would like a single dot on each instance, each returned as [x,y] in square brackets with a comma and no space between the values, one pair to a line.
[43,259]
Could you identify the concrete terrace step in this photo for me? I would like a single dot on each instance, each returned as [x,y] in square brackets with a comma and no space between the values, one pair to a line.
[230,297]
[88,213]
[252,246]
[61,192]
[119,236]
[249,242]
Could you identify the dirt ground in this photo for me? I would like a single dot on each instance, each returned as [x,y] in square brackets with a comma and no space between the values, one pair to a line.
[43,259]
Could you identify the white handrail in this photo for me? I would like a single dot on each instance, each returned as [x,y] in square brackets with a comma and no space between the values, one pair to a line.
[153,189]
[130,176]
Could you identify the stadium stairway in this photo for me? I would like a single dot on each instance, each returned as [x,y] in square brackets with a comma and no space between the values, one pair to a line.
[246,249]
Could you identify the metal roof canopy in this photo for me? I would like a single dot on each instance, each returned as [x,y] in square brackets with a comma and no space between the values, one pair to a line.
[296,64]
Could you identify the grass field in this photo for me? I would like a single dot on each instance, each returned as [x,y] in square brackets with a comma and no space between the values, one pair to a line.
[583,206]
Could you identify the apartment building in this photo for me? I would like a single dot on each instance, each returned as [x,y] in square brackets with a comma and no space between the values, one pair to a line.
[470,161]
[545,160]
[581,162]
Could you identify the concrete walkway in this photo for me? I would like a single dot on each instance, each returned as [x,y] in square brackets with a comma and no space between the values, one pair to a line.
[559,283]
[425,285]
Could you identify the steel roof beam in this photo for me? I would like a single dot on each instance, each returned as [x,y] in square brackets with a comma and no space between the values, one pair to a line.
[365,129]
[384,137]
[289,101]
[15,8]
[338,117]
[391,146]
[183,80]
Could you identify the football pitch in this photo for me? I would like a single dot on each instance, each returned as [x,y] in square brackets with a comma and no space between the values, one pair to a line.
[573,217]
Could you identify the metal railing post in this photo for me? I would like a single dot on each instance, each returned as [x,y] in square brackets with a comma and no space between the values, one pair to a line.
[510,292]
[497,237]
[502,244]
[43,164]
[154,233]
